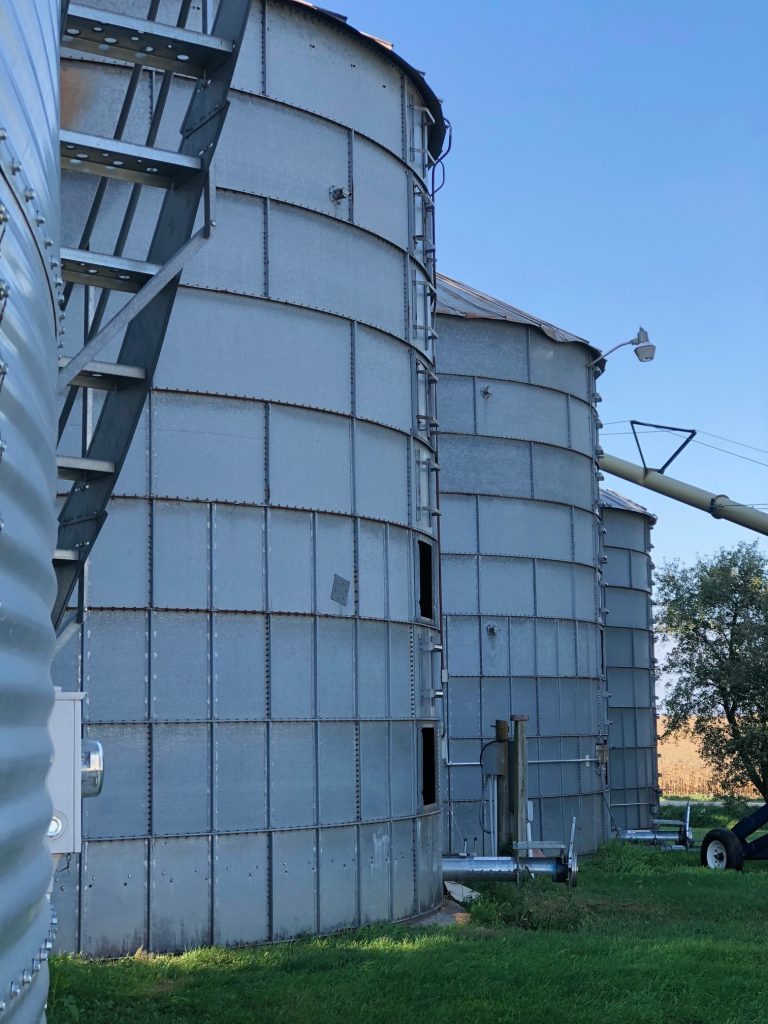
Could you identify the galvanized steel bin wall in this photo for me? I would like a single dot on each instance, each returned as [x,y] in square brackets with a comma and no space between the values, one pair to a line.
[258,647]
[633,764]
[520,544]
[29,216]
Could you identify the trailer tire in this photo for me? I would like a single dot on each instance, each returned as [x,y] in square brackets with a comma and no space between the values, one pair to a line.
[721,850]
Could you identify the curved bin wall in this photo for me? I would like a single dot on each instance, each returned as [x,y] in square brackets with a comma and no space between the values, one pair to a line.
[255,655]
[519,541]
[633,765]
[29,210]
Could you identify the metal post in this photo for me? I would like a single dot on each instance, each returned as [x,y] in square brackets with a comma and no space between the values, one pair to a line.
[519,793]
[493,781]
[503,833]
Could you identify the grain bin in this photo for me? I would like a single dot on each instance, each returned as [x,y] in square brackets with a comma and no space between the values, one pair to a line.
[520,550]
[262,614]
[29,217]
[630,677]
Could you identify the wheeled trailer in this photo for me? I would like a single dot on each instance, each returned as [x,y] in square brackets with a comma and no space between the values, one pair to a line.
[726,849]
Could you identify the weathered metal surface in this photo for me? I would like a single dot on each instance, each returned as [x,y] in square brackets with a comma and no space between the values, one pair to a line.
[254,650]
[458,299]
[629,661]
[520,550]
[29,218]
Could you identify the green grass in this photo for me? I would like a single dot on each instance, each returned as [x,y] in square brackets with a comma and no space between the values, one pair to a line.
[706,813]
[647,937]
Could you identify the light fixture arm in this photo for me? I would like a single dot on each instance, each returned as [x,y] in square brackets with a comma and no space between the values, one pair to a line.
[632,341]
[644,350]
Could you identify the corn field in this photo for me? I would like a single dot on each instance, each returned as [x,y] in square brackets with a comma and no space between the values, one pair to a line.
[682,771]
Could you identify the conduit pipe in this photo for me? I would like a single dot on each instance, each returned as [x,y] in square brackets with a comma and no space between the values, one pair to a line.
[718,505]
[468,870]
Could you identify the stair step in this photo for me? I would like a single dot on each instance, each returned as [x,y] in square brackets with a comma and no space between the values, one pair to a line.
[113,158]
[102,271]
[104,376]
[150,43]
[73,467]
[63,555]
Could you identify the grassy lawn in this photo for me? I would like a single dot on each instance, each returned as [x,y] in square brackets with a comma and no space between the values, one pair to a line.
[646,937]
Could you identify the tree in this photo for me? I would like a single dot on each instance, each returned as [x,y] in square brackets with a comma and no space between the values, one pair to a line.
[714,615]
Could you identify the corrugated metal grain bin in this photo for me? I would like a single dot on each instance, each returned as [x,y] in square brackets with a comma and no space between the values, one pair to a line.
[520,550]
[633,767]
[29,216]
[262,609]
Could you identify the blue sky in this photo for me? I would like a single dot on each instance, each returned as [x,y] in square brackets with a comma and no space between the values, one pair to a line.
[610,169]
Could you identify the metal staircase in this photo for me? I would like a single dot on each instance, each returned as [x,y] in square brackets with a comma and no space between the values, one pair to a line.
[142,321]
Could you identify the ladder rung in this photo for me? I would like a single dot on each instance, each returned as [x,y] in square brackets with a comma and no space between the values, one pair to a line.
[104,376]
[102,271]
[150,43]
[113,158]
[64,555]
[73,467]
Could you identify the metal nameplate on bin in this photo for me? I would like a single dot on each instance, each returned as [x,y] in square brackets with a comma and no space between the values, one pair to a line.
[340,590]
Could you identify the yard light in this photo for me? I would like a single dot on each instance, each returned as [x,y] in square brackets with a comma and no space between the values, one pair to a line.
[644,349]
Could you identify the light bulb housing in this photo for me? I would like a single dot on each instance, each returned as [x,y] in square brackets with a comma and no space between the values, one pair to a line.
[642,346]
[645,353]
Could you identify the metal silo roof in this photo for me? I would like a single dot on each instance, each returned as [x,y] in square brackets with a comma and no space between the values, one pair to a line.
[454,298]
[612,499]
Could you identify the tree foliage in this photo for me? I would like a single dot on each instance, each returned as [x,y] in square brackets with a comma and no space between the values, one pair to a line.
[714,616]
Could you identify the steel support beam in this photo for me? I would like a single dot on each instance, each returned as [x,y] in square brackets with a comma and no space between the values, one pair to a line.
[164,276]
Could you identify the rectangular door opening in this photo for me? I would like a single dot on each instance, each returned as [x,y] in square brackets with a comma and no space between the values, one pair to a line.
[428,767]
[426,581]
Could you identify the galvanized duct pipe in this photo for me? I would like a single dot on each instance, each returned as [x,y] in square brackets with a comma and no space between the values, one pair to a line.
[468,870]
[561,866]
[718,505]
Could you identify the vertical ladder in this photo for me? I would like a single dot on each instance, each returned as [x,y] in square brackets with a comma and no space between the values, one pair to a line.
[143,320]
